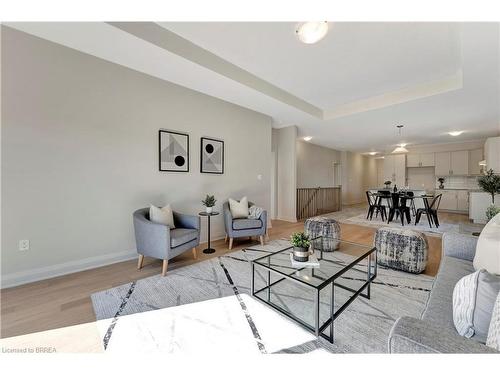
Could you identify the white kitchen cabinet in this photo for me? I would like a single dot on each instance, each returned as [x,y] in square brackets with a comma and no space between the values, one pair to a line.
[492,154]
[420,160]
[395,169]
[452,163]
[462,200]
[413,160]
[460,163]
[443,163]
[479,202]
[454,200]
[448,200]
[475,156]
[427,159]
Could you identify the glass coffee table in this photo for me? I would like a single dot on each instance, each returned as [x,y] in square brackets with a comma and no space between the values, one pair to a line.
[315,297]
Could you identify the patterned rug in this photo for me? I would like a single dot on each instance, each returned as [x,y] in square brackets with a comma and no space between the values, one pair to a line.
[206,306]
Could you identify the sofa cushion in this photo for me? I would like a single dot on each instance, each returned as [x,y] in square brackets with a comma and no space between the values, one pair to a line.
[181,236]
[239,224]
[493,340]
[439,308]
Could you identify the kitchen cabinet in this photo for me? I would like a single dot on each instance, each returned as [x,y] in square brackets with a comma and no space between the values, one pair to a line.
[452,163]
[462,200]
[475,156]
[395,169]
[492,154]
[454,200]
[479,202]
[420,160]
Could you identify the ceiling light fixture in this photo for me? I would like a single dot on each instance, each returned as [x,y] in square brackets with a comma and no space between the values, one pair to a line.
[456,133]
[401,149]
[311,32]
[373,153]
[308,138]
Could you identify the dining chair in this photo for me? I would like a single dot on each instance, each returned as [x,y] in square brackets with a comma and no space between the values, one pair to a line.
[374,205]
[430,210]
[399,208]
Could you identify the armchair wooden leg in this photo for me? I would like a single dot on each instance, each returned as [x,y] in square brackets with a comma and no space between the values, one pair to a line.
[261,240]
[230,243]
[164,267]
[194,253]
[139,261]
[225,238]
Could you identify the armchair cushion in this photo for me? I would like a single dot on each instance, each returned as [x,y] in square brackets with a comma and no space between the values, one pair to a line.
[163,215]
[239,210]
[239,224]
[181,236]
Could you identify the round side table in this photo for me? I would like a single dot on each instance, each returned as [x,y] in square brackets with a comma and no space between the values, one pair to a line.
[208,250]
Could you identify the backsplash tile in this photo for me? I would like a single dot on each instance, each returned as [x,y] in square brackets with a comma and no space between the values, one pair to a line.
[459,182]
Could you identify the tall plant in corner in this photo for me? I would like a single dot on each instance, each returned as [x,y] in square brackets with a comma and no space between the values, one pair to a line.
[490,183]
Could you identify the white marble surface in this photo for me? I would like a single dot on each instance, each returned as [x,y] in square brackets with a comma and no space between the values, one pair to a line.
[210,327]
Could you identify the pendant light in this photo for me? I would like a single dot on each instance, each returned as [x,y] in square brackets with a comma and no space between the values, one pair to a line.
[401,148]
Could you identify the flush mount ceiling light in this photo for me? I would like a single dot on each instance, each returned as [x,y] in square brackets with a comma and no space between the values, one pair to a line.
[311,32]
[373,153]
[308,138]
[401,149]
[456,133]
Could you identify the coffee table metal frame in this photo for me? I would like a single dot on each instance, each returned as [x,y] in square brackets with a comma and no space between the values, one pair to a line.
[332,281]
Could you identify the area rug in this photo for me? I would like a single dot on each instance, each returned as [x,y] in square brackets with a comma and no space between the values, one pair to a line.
[208,305]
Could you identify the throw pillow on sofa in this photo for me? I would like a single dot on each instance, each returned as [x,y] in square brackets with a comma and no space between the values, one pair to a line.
[239,210]
[473,301]
[493,340]
[163,215]
[488,247]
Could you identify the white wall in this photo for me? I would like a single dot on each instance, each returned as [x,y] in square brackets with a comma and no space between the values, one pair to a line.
[80,154]
[284,146]
[359,174]
[315,165]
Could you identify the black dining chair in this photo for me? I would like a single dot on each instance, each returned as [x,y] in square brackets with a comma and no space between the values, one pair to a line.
[430,210]
[399,208]
[411,196]
[374,206]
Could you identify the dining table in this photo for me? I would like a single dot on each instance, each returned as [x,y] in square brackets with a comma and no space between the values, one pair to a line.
[403,196]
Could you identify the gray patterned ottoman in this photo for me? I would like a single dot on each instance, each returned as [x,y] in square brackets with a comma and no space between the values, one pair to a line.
[327,228]
[401,249]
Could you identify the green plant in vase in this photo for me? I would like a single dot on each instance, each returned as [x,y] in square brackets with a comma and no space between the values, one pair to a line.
[441,180]
[300,242]
[387,184]
[490,183]
[209,203]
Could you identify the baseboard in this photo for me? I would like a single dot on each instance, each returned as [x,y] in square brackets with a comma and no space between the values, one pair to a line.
[289,219]
[23,277]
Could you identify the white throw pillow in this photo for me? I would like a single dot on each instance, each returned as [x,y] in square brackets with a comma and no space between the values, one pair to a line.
[163,215]
[473,303]
[488,247]
[239,210]
[493,340]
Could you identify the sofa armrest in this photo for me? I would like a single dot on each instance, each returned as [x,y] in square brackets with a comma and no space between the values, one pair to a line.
[263,219]
[152,239]
[186,221]
[228,219]
[410,335]
[457,245]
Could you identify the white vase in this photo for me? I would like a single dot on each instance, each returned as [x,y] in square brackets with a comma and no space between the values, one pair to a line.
[209,210]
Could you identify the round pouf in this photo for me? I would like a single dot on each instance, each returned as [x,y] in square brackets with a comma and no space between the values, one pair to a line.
[401,249]
[327,228]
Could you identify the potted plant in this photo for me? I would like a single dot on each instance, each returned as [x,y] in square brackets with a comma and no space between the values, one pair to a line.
[209,203]
[490,183]
[387,184]
[441,181]
[300,242]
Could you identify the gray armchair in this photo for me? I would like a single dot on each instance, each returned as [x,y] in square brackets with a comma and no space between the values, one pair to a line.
[161,242]
[236,228]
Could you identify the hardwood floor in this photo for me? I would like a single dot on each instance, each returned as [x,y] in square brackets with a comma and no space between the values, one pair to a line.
[65,300]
